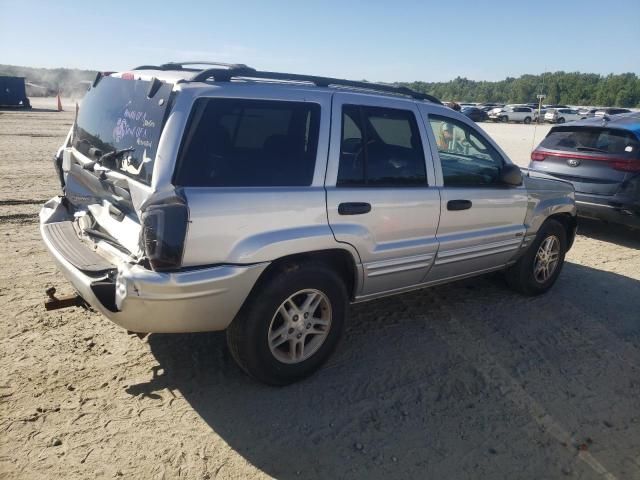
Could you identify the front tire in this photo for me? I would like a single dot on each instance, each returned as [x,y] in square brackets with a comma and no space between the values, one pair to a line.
[504,119]
[538,269]
[561,120]
[527,120]
[290,324]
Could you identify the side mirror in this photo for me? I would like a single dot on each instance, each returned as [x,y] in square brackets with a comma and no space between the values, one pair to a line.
[511,175]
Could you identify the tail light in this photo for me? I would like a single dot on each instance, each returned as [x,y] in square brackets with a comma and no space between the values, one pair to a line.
[626,165]
[164,229]
[537,156]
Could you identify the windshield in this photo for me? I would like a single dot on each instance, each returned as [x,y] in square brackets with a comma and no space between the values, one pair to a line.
[117,114]
[602,140]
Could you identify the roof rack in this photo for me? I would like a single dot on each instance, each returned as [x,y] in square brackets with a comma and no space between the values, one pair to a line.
[225,75]
[181,65]
[240,70]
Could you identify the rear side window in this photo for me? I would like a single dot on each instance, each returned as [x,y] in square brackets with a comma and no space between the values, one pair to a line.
[593,140]
[249,143]
[380,147]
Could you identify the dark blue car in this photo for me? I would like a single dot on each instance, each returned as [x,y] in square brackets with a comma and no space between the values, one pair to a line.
[601,157]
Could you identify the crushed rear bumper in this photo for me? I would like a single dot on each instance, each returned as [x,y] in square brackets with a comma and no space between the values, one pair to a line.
[142,300]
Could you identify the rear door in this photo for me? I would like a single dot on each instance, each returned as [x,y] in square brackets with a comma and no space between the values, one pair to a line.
[482,221]
[595,159]
[380,194]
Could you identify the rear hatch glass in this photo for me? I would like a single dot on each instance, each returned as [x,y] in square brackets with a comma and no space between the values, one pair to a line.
[119,114]
[595,159]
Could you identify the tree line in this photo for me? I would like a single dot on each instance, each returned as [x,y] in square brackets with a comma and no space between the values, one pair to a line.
[572,88]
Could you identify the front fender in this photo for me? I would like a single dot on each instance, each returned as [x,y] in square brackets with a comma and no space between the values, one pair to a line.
[542,206]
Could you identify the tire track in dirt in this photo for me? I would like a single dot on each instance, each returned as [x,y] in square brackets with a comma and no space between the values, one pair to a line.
[19,218]
[28,201]
[461,340]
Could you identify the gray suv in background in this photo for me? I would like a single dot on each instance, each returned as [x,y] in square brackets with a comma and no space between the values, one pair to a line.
[601,157]
[264,203]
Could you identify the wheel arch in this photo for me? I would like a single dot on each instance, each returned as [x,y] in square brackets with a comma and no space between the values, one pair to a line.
[340,260]
[569,222]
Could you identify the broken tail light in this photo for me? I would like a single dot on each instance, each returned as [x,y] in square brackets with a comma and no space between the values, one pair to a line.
[164,229]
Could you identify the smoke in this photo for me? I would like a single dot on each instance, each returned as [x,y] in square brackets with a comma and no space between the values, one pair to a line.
[51,81]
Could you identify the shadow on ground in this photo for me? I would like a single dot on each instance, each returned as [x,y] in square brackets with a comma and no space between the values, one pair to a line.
[449,382]
[609,232]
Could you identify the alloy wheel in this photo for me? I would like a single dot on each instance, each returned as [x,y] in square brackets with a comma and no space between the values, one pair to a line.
[547,259]
[300,326]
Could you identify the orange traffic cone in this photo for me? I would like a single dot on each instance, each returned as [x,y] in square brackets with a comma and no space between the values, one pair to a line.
[59,103]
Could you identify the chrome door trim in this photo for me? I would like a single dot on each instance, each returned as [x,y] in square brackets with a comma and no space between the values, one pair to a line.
[458,254]
[419,286]
[385,267]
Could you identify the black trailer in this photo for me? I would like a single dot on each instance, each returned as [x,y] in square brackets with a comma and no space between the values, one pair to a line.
[13,93]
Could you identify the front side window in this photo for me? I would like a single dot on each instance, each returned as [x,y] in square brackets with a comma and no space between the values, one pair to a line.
[380,147]
[466,158]
[249,143]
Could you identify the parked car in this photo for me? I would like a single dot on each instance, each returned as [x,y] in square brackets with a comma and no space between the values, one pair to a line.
[489,106]
[512,114]
[561,115]
[453,106]
[556,105]
[611,111]
[264,205]
[601,158]
[475,114]
[588,112]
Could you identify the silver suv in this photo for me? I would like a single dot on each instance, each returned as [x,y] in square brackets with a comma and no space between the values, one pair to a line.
[264,203]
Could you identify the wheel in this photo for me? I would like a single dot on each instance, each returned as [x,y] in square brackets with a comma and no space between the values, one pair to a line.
[504,119]
[561,120]
[527,120]
[290,324]
[537,270]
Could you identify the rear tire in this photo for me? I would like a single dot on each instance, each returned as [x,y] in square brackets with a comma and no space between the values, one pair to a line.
[527,120]
[528,275]
[274,339]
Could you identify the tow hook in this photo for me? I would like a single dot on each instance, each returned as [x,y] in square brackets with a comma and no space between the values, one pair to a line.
[64,301]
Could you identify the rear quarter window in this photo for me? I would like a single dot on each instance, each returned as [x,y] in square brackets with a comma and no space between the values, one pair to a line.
[249,143]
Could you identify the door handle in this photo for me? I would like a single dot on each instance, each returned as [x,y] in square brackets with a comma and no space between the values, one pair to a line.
[354,208]
[459,204]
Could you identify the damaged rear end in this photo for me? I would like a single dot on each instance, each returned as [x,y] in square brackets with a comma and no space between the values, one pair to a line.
[117,233]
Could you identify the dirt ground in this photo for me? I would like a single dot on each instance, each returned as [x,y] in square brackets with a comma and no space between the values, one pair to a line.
[463,381]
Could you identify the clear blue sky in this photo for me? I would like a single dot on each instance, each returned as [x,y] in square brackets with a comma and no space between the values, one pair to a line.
[375,40]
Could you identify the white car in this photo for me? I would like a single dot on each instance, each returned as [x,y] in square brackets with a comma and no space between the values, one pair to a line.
[561,115]
[512,114]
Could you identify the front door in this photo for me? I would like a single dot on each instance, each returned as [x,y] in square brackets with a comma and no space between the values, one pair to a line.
[482,221]
[379,194]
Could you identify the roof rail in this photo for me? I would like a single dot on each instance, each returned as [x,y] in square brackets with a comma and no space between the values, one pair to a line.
[242,71]
[181,65]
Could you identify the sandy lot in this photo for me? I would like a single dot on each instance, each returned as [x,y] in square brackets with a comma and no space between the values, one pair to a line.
[464,381]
